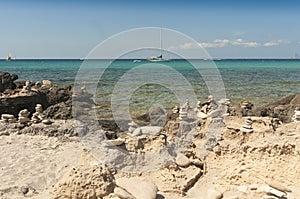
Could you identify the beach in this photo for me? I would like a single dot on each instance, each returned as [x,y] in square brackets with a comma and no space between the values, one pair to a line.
[64,146]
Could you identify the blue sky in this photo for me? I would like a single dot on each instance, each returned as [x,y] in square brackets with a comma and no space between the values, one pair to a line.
[227,29]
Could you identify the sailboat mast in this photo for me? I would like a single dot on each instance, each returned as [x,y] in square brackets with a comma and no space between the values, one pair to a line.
[161,42]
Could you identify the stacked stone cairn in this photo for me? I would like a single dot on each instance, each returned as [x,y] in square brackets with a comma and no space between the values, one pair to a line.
[23,116]
[38,116]
[296,116]
[132,126]
[212,103]
[247,127]
[175,109]
[183,112]
[27,88]
[8,118]
[246,107]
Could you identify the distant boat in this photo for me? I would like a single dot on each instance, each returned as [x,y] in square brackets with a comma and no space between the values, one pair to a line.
[8,57]
[136,61]
[160,57]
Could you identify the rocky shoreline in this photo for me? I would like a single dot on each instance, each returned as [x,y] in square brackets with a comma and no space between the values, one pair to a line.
[212,151]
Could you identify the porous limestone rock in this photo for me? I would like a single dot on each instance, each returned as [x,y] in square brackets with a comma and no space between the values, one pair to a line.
[137,187]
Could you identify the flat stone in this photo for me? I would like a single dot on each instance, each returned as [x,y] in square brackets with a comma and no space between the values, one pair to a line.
[7,116]
[151,130]
[215,113]
[121,193]
[137,132]
[202,115]
[138,187]
[115,142]
[279,186]
[47,122]
[269,190]
[247,126]
[244,130]
[182,160]
[23,119]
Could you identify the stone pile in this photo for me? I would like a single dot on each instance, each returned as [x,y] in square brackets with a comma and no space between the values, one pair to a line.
[27,88]
[132,126]
[175,109]
[247,127]
[296,116]
[183,112]
[23,116]
[38,116]
[8,118]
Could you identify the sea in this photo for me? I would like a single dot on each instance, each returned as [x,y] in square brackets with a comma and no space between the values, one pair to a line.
[260,81]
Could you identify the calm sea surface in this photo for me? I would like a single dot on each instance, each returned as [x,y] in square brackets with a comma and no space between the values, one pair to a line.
[260,81]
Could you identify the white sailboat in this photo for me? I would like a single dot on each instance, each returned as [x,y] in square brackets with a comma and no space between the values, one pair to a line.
[160,57]
[8,57]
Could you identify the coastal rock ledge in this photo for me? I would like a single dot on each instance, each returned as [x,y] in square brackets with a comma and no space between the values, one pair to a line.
[13,98]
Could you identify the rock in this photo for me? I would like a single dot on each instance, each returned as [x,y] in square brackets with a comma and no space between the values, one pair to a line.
[85,182]
[46,121]
[202,115]
[197,162]
[121,193]
[279,187]
[182,160]
[47,83]
[138,188]
[137,132]
[7,81]
[24,189]
[151,130]
[214,194]
[215,113]
[116,142]
[7,116]
[14,102]
[269,190]
[283,109]
[62,110]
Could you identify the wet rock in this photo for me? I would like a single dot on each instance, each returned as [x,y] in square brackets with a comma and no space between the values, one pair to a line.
[138,188]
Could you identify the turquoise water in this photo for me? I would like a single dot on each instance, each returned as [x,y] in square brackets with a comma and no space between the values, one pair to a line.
[261,81]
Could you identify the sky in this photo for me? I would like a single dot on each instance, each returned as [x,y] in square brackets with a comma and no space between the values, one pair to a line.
[225,28]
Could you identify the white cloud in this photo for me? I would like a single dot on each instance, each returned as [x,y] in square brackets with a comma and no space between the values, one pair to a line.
[276,43]
[220,43]
[244,43]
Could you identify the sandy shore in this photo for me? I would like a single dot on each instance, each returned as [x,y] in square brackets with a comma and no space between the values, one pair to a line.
[241,166]
[211,151]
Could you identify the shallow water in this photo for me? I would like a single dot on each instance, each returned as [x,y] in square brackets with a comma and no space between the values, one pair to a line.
[260,81]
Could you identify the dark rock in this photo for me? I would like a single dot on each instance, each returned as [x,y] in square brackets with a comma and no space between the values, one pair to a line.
[7,81]
[62,110]
[282,109]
